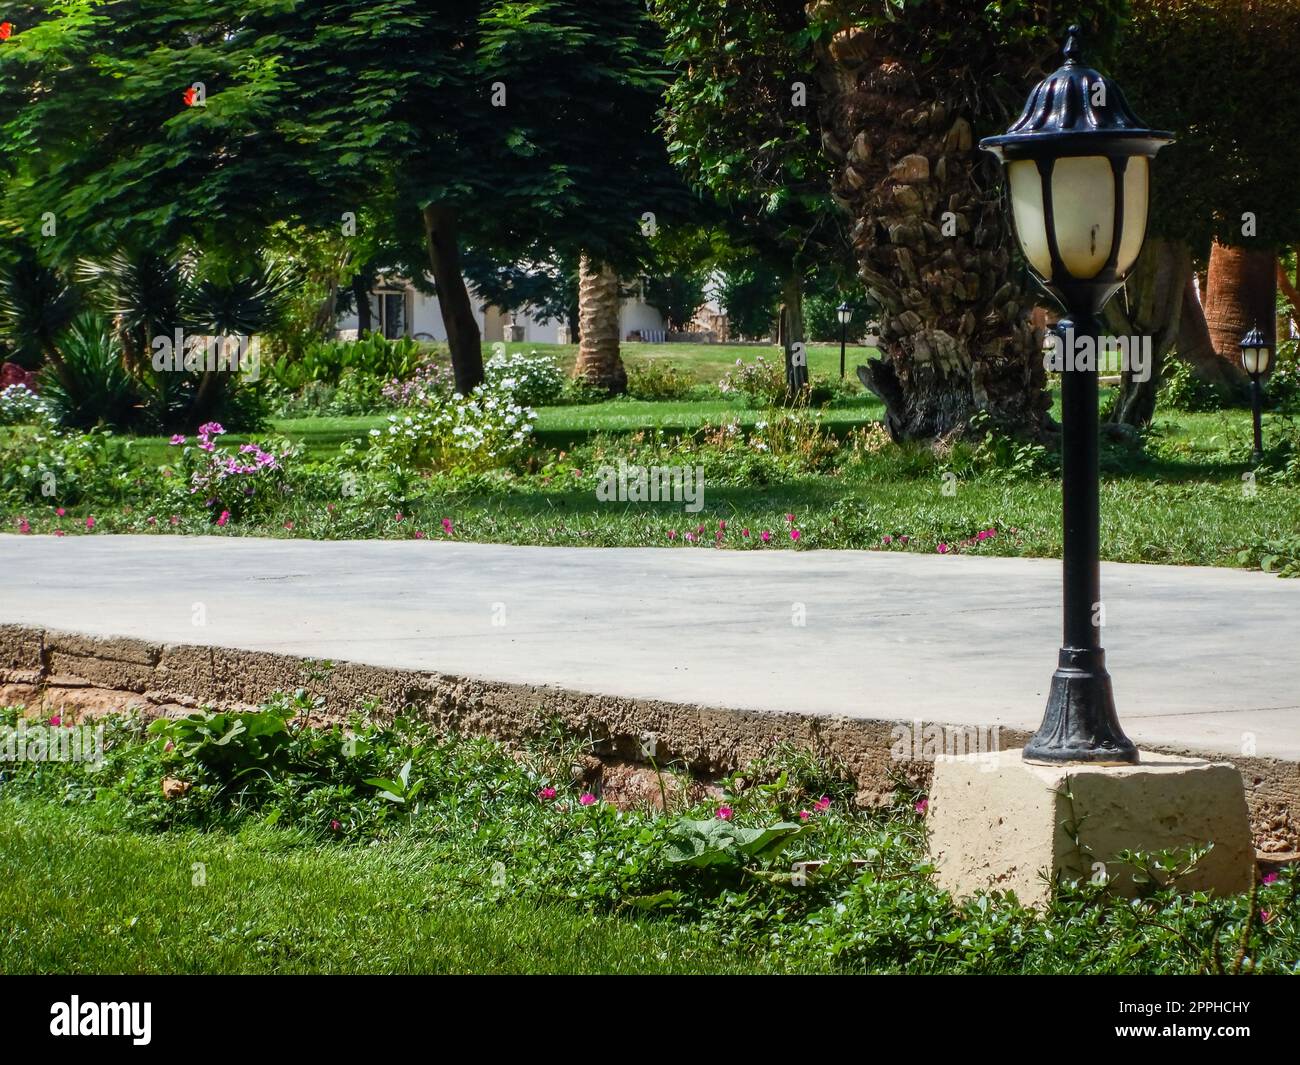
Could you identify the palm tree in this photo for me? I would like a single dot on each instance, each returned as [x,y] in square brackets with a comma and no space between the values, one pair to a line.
[1241,292]
[36,305]
[930,232]
[599,362]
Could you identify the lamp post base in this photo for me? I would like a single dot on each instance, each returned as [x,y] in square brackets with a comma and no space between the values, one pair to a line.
[1080,723]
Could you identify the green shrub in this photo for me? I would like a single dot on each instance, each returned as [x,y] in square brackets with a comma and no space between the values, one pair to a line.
[39,465]
[761,382]
[658,380]
[457,435]
[534,380]
[1182,389]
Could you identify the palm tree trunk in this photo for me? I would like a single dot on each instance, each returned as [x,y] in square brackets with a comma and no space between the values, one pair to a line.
[1241,292]
[932,242]
[599,361]
[463,335]
[1196,349]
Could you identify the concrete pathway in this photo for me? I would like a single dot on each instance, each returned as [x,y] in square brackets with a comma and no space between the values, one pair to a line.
[1199,656]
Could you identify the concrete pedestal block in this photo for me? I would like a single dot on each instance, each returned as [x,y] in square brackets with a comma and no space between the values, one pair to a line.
[998,822]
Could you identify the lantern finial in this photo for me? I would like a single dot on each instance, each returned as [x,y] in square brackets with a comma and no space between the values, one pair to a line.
[1072,51]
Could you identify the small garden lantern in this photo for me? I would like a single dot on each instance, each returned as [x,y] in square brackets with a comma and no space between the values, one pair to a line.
[1077,162]
[845,313]
[1256,358]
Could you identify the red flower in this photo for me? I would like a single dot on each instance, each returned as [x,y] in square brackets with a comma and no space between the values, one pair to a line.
[6,30]
[190,96]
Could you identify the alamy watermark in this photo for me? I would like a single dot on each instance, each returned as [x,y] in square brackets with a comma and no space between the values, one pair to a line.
[52,743]
[919,742]
[651,484]
[1066,351]
[212,354]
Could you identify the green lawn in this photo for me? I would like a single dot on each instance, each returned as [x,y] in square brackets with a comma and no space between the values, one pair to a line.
[78,896]
[705,363]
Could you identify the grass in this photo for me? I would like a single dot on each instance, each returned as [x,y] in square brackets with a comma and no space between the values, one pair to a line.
[80,896]
[704,363]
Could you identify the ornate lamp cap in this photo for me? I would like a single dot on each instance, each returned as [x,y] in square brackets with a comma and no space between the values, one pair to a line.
[1076,111]
[1254,339]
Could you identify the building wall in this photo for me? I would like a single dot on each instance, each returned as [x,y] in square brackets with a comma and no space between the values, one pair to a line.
[426,318]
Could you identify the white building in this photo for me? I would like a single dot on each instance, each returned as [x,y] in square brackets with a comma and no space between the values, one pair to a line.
[397,310]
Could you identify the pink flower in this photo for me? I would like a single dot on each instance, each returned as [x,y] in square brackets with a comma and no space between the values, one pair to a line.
[176,519]
[722,525]
[765,536]
[446,526]
[398,517]
[823,804]
[1270,878]
[804,815]
[586,798]
[690,536]
[886,539]
[335,826]
[726,813]
[23,526]
[169,746]
[177,438]
[289,525]
[922,806]
[942,549]
[744,533]
[419,534]
[546,794]
[151,520]
[903,539]
[225,517]
[1265,916]
[56,720]
[59,532]
[790,518]
[60,511]
[672,534]
[794,534]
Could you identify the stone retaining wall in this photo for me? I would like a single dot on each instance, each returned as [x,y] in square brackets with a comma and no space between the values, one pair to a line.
[68,672]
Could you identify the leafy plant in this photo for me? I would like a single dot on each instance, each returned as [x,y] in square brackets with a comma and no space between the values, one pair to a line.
[230,744]
[705,844]
[399,790]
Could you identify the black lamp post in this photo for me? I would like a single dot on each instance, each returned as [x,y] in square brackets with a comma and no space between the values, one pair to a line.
[1077,162]
[844,313]
[1256,355]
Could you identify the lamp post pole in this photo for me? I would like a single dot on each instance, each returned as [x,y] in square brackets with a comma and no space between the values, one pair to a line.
[1077,164]
[1256,357]
[1257,412]
[844,314]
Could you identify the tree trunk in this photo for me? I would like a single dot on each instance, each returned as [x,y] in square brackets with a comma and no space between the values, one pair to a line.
[463,336]
[790,332]
[1153,309]
[1195,348]
[933,245]
[1241,293]
[361,295]
[599,362]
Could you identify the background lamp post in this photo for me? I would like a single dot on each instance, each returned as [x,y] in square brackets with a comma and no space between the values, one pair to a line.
[1256,355]
[845,313]
[1077,163]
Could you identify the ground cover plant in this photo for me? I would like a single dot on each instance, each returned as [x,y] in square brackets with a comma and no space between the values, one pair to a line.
[236,840]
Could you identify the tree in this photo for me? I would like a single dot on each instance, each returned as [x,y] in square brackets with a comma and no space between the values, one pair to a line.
[1224,190]
[499,124]
[909,90]
[749,291]
[741,118]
